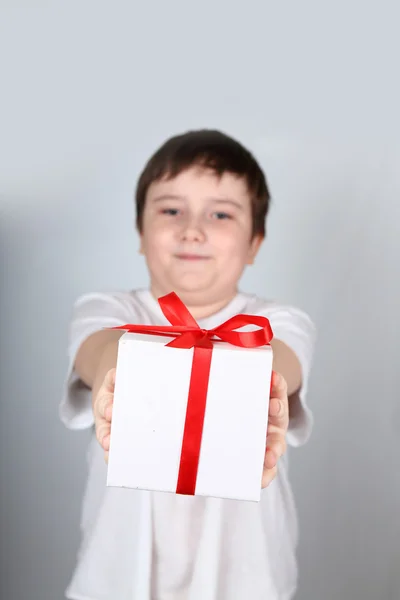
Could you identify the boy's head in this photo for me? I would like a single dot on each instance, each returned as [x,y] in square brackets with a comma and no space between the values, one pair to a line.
[201,202]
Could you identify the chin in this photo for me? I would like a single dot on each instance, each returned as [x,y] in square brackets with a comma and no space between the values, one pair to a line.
[193,284]
[190,291]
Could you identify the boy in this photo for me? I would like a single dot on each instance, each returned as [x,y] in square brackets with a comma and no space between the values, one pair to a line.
[201,202]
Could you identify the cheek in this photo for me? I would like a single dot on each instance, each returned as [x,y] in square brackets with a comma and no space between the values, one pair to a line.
[232,243]
[155,237]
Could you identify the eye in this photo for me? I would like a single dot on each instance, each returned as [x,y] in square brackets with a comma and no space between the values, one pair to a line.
[221,215]
[172,212]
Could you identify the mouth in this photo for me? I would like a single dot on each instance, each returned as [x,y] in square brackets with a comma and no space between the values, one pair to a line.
[192,257]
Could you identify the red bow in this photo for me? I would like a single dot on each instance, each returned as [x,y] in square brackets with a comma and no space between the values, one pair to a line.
[188,334]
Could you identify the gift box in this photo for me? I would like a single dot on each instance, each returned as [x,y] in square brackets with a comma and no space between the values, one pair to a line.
[191,406]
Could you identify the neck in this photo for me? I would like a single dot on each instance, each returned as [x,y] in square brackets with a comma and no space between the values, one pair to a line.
[196,306]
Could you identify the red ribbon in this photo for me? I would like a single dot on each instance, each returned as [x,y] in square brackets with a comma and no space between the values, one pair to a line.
[188,334]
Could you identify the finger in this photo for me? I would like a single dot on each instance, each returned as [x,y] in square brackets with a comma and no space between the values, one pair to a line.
[268,476]
[278,385]
[106,454]
[276,445]
[278,403]
[106,442]
[109,381]
[103,429]
[104,405]
[278,414]
[280,422]
[270,460]
[108,412]
[275,407]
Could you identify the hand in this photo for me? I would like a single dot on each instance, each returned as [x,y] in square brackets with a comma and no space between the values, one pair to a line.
[102,409]
[278,423]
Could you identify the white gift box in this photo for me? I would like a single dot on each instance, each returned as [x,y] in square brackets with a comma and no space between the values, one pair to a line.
[149,413]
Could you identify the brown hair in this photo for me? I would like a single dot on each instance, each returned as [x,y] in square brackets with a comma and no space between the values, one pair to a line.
[213,150]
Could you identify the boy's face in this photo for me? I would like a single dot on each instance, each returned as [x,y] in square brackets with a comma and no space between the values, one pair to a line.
[197,235]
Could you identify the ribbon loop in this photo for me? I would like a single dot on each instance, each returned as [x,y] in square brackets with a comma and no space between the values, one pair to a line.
[188,334]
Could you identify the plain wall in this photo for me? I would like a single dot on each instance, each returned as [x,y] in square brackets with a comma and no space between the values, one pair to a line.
[88,90]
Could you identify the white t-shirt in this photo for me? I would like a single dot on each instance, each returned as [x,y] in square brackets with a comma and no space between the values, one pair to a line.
[139,545]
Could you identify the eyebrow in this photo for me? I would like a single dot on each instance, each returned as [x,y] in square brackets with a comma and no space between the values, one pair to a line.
[168,197]
[228,201]
[216,200]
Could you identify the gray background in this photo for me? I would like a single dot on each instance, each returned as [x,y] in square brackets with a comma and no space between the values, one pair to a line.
[88,90]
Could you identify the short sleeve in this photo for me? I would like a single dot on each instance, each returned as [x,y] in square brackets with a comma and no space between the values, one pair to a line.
[294,328]
[91,313]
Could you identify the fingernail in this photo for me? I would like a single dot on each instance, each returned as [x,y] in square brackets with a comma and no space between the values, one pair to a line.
[275,379]
[272,382]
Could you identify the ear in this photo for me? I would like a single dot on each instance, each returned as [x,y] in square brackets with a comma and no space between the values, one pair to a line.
[140,234]
[141,244]
[254,247]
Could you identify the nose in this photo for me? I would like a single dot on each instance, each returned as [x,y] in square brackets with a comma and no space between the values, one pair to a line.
[192,231]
